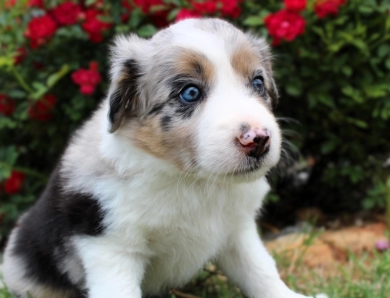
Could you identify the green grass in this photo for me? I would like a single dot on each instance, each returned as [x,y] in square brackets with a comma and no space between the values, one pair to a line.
[4,293]
[365,276]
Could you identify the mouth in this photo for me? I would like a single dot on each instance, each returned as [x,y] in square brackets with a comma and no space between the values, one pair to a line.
[251,164]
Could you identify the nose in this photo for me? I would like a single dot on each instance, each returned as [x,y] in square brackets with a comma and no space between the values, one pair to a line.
[255,141]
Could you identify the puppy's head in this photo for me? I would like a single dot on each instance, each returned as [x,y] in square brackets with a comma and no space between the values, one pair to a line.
[199,95]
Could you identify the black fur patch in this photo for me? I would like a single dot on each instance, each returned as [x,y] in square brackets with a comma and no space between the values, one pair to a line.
[186,110]
[115,105]
[84,215]
[124,99]
[273,93]
[43,232]
[165,121]
[156,109]
[244,127]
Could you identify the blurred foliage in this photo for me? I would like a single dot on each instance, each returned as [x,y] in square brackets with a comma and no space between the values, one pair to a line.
[334,79]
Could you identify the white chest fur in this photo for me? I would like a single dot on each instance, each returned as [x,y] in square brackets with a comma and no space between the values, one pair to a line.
[177,225]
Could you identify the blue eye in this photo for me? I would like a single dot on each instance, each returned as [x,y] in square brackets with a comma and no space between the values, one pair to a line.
[258,83]
[190,94]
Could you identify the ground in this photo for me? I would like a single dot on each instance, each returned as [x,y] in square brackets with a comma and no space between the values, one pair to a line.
[343,263]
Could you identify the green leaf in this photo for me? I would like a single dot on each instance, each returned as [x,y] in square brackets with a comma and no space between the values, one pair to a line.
[328,147]
[172,14]
[383,50]
[294,89]
[157,8]
[55,77]
[8,157]
[347,70]
[146,31]
[135,18]
[174,2]
[361,45]
[6,122]
[388,182]
[272,197]
[89,2]
[368,203]
[122,29]
[254,21]
[387,63]
[325,99]
[15,93]
[375,91]
[38,86]
[6,61]
[335,47]
[357,122]
[365,9]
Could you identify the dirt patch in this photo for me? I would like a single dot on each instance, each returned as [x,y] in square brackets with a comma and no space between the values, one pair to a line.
[327,249]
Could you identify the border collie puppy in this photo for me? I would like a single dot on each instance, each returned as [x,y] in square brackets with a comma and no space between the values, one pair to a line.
[168,174]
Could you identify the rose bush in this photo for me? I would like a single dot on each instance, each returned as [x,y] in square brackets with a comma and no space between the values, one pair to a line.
[332,67]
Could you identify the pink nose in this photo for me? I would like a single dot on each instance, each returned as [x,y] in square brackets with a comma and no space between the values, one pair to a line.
[255,141]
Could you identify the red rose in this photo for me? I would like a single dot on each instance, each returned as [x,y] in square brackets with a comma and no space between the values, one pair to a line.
[94,66]
[284,25]
[324,8]
[9,3]
[38,65]
[7,105]
[160,18]
[39,30]
[14,182]
[36,3]
[230,8]
[67,13]
[187,14]
[207,7]
[126,15]
[41,110]
[87,89]
[21,54]
[30,3]
[295,5]
[88,79]
[146,5]
[127,5]
[93,26]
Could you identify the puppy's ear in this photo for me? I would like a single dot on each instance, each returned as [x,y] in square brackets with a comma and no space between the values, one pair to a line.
[266,58]
[125,73]
[124,99]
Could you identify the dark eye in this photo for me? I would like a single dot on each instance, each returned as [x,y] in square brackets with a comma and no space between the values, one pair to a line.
[190,94]
[258,84]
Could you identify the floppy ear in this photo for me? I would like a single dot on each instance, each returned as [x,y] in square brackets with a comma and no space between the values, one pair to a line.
[124,99]
[266,58]
[125,73]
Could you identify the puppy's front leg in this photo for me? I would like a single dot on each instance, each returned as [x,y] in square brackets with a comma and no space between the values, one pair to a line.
[111,270]
[248,264]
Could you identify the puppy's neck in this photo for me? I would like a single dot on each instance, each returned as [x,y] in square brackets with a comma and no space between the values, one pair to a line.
[127,159]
